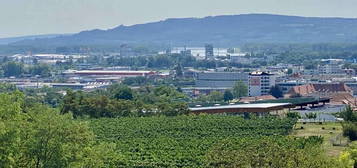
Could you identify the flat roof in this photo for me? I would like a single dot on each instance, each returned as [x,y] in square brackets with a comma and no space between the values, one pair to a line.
[242,106]
[106,71]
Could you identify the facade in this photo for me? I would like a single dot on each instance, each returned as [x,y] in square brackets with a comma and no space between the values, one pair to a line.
[331,69]
[260,83]
[209,51]
[220,79]
[331,66]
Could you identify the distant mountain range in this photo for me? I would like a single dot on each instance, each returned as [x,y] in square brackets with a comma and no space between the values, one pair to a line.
[22,38]
[230,30]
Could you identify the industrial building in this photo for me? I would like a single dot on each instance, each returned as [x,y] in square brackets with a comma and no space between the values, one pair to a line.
[220,79]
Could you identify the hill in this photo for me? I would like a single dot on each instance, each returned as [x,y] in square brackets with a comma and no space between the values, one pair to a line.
[229,30]
[4,41]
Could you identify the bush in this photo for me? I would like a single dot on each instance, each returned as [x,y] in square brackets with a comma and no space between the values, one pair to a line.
[293,115]
[350,130]
[348,114]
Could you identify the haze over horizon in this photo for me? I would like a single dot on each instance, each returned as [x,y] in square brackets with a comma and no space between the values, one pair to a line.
[34,17]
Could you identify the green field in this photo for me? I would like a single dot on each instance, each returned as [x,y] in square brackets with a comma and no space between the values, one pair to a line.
[182,141]
[330,131]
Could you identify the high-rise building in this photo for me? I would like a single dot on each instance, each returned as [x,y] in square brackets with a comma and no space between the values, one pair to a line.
[209,51]
[260,83]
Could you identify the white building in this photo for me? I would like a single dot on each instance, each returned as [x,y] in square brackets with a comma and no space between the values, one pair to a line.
[260,83]
[330,69]
[331,66]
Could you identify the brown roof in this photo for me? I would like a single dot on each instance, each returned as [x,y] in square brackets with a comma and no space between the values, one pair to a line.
[307,89]
[332,87]
[343,98]
[302,90]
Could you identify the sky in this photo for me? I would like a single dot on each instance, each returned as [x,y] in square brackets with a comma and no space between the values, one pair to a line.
[35,17]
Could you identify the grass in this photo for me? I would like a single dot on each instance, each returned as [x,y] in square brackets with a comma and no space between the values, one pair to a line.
[328,133]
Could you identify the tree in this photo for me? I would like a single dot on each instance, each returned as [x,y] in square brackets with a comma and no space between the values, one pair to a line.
[43,70]
[350,130]
[13,69]
[348,114]
[123,92]
[276,91]
[215,96]
[227,96]
[240,90]
[42,137]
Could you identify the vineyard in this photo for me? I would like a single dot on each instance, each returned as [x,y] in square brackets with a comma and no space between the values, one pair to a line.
[183,141]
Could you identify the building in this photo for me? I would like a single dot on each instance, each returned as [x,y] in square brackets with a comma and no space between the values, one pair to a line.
[109,73]
[260,83]
[243,109]
[240,58]
[320,89]
[220,79]
[196,91]
[331,66]
[339,93]
[330,69]
[209,51]
[287,85]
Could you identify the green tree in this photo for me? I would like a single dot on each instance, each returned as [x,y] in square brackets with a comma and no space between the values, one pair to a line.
[348,114]
[240,90]
[227,95]
[42,69]
[13,69]
[42,138]
[216,96]
[276,91]
[123,92]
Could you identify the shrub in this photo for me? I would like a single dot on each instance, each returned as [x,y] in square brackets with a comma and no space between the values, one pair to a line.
[295,115]
[350,130]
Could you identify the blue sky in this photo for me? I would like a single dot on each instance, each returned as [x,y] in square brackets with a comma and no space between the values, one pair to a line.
[33,17]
